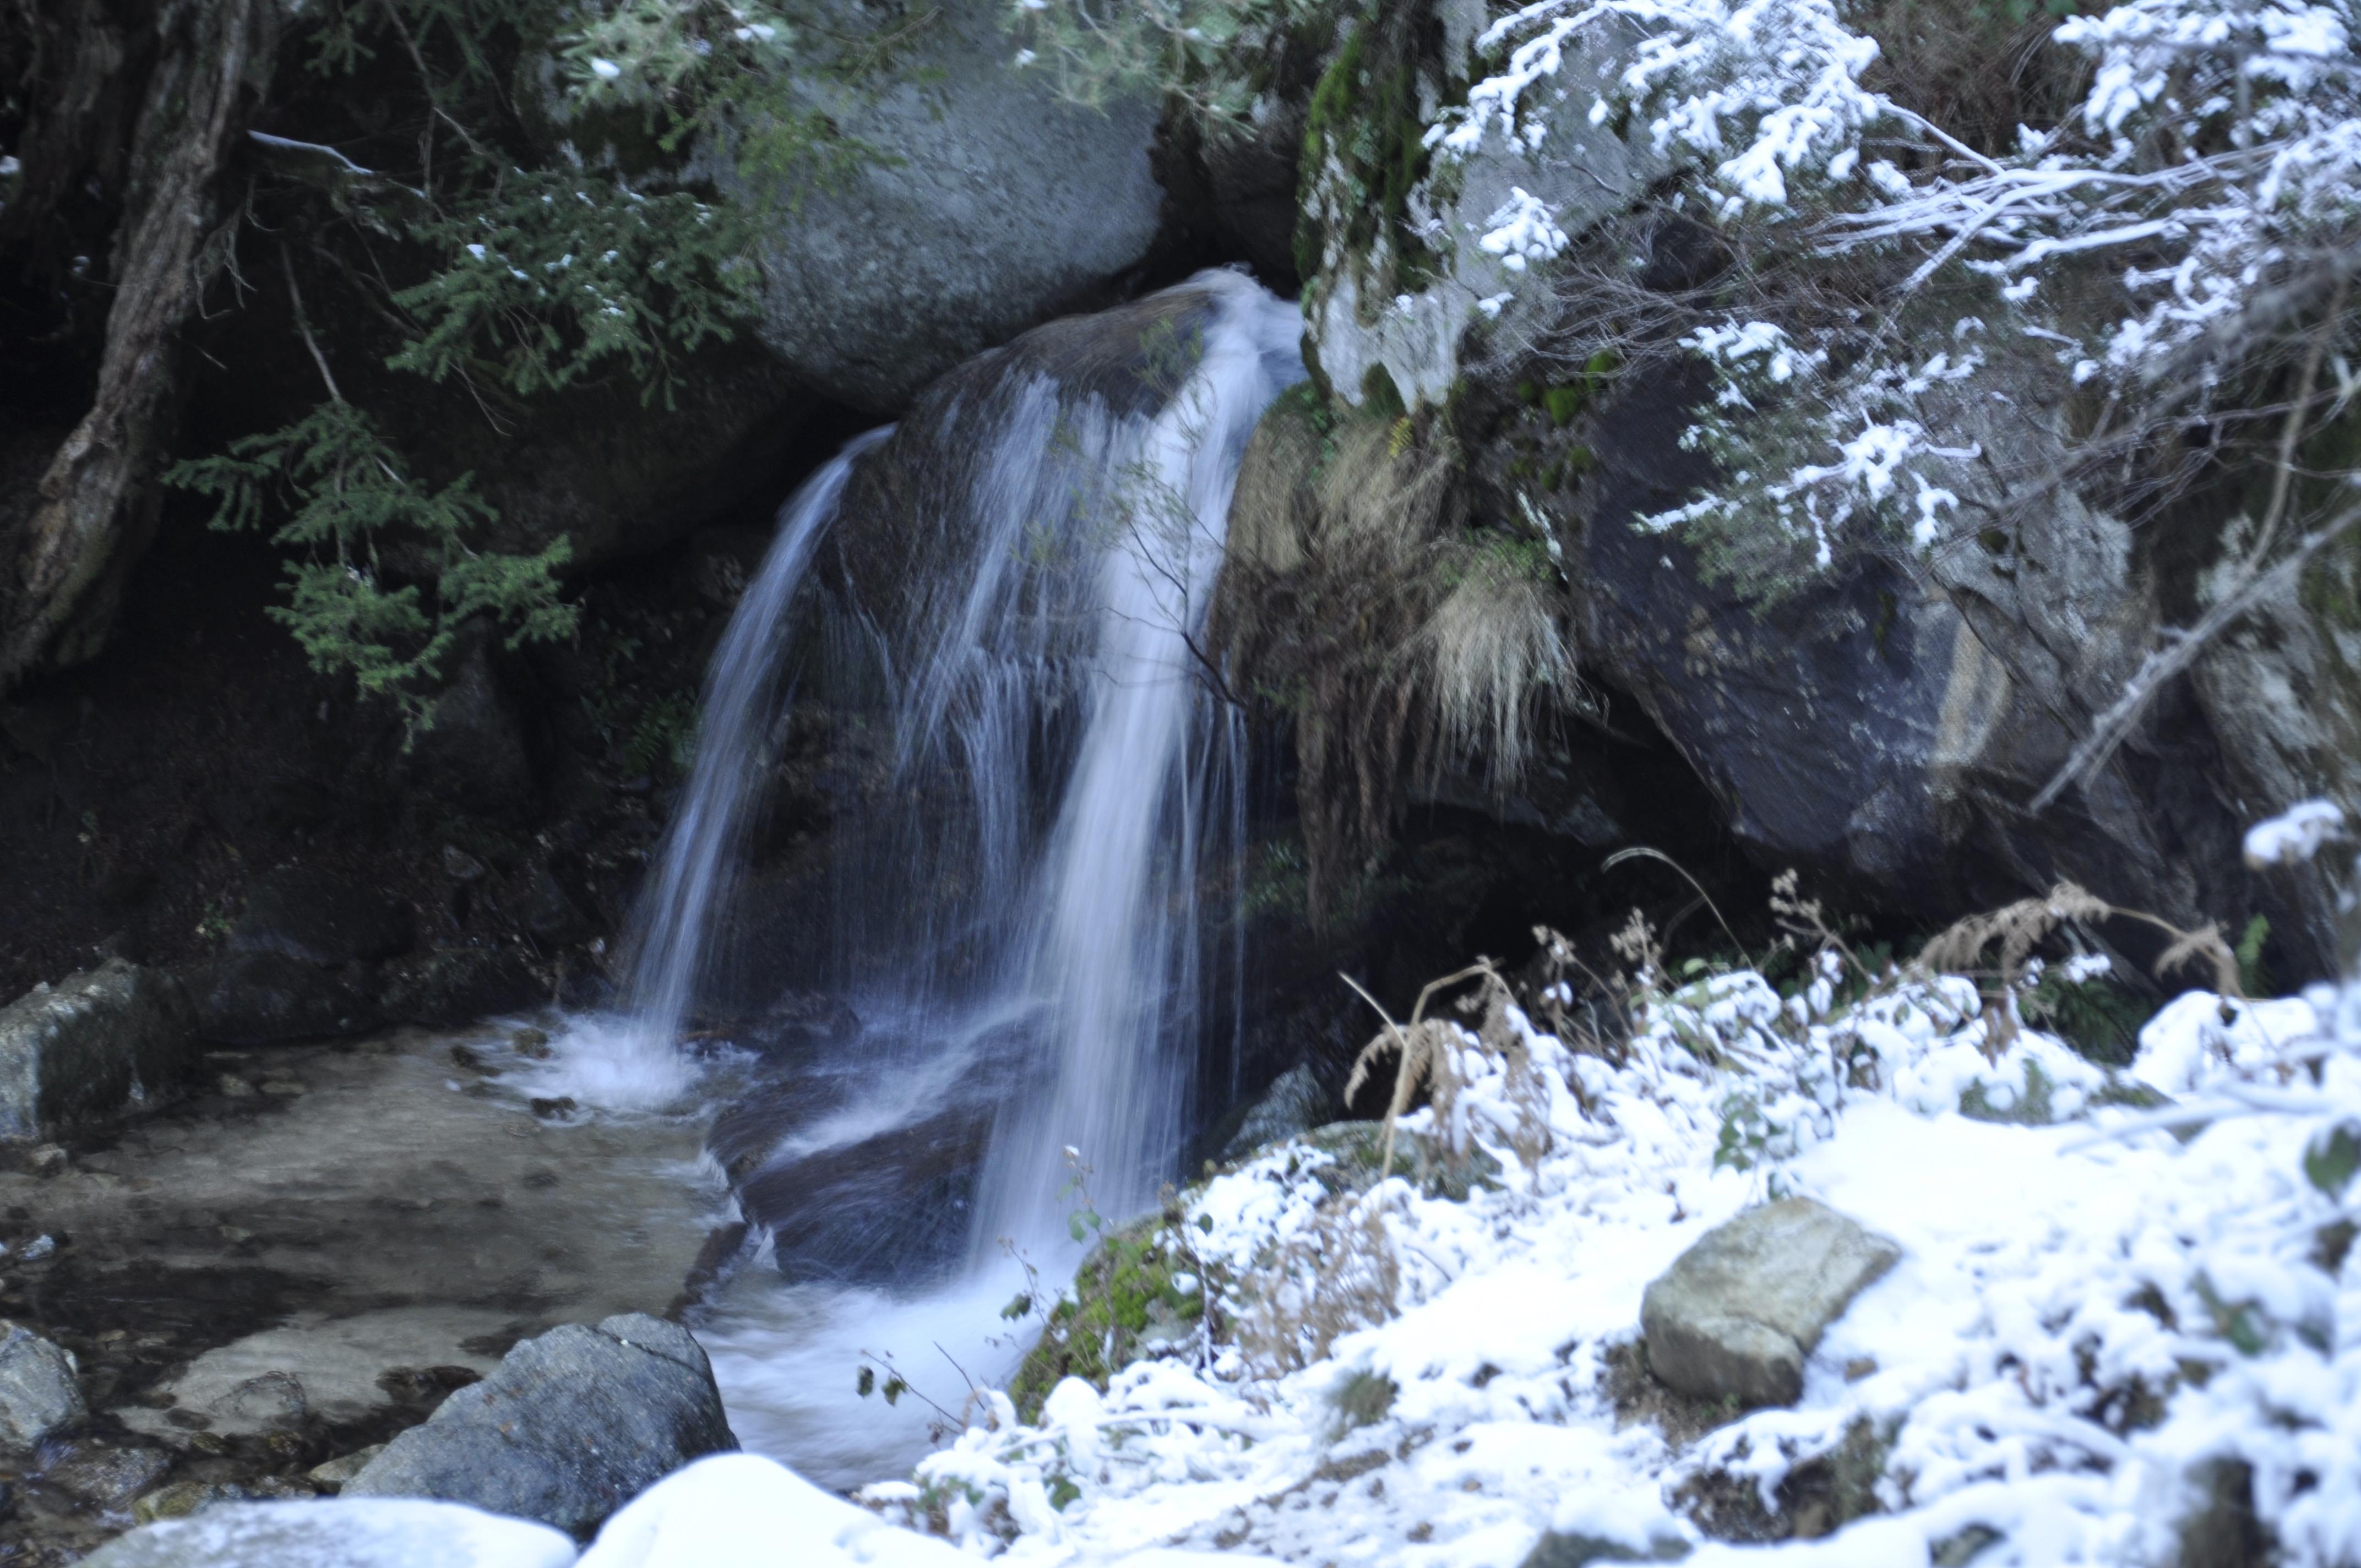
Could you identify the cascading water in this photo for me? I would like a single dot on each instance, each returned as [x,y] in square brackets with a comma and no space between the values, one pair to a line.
[1019,578]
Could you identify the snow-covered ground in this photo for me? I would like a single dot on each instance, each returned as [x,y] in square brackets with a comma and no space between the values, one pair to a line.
[2088,1308]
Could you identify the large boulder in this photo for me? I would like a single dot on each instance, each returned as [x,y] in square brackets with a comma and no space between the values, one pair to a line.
[1737,1313]
[326,1533]
[91,1047]
[39,1393]
[459,985]
[573,1424]
[999,207]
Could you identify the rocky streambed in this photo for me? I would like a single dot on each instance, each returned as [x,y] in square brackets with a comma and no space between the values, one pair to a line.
[309,1254]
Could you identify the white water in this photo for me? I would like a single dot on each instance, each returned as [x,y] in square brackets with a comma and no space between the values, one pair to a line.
[1038,969]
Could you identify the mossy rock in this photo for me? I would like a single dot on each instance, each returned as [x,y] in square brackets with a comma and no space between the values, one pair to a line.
[1123,1304]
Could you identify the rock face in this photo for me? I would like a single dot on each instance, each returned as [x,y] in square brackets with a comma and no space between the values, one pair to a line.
[38,1391]
[92,1046]
[1002,207]
[574,1425]
[261,999]
[1737,1313]
[320,919]
[337,1534]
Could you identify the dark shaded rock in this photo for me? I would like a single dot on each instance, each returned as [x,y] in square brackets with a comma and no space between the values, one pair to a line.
[551,914]
[1737,1313]
[2222,1531]
[106,1474]
[92,1046]
[473,752]
[38,1391]
[573,1425]
[459,985]
[1294,1103]
[891,1207]
[322,918]
[259,999]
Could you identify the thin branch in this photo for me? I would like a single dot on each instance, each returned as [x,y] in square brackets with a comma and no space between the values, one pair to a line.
[2161,667]
[303,325]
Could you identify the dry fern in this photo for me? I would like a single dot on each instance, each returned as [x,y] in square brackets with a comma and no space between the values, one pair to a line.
[2017,928]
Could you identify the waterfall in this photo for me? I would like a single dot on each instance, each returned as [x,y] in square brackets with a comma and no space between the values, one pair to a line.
[1004,595]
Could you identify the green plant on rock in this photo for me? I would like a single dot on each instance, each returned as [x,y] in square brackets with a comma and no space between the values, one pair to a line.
[1213,56]
[1127,1294]
[343,490]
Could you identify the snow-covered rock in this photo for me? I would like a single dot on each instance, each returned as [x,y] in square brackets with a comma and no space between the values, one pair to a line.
[1737,1313]
[379,1533]
[737,1510]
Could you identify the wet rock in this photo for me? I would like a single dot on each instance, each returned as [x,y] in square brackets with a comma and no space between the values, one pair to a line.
[1002,208]
[573,1425]
[182,1498]
[459,985]
[1294,1103]
[320,919]
[105,1475]
[261,998]
[326,1533]
[91,1047]
[891,1207]
[1737,1313]
[38,1391]
[551,914]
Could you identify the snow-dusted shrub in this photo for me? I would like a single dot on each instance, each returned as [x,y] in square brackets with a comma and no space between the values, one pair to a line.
[1902,316]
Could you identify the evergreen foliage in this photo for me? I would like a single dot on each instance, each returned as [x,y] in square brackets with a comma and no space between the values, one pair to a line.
[485,262]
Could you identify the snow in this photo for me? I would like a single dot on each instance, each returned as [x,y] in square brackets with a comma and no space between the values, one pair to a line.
[2087,1309]
[351,1532]
[2295,835]
[740,1509]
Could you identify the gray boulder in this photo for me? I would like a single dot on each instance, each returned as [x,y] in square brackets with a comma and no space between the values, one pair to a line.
[459,985]
[571,1426]
[1000,208]
[1737,1313]
[38,1391]
[92,1046]
[1294,1103]
[326,1533]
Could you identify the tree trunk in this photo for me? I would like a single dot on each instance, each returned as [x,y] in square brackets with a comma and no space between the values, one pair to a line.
[62,570]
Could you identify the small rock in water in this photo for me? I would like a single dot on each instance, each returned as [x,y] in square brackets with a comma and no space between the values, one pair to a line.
[1737,1313]
[234,1087]
[468,1059]
[271,1398]
[560,1109]
[105,1475]
[38,1391]
[338,1470]
[530,1043]
[284,1087]
[37,1248]
[181,1499]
